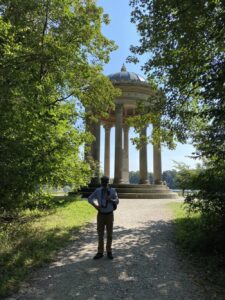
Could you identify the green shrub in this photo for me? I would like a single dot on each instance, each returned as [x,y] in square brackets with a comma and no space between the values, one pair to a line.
[204,248]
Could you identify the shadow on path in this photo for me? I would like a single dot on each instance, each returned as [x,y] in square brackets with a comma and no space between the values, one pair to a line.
[145,266]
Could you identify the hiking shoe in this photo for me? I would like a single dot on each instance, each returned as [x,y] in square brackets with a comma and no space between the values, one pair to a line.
[109,255]
[98,255]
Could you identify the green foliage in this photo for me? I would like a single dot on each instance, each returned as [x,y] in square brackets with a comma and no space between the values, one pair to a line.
[195,233]
[148,112]
[204,249]
[189,234]
[186,43]
[210,199]
[35,236]
[134,177]
[185,177]
[51,57]
[169,177]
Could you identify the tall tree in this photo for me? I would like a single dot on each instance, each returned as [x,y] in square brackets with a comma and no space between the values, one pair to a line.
[186,40]
[51,57]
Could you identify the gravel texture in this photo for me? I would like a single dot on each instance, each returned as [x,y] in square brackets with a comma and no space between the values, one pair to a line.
[146,263]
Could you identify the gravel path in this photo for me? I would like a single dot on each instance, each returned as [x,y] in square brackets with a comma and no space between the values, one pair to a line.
[146,264]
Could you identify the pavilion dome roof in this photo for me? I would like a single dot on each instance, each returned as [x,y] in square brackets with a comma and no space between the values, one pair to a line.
[125,76]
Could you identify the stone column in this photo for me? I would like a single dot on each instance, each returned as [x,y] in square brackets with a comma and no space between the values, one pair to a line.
[143,161]
[125,174]
[118,144]
[95,151]
[107,150]
[157,164]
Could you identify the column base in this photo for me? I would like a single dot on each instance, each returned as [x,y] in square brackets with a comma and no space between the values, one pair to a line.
[145,181]
[126,182]
[158,181]
[118,181]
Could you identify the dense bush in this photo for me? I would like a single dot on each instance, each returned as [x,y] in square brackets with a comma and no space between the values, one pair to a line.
[210,202]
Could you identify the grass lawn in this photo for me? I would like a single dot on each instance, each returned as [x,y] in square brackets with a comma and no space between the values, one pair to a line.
[196,244]
[35,237]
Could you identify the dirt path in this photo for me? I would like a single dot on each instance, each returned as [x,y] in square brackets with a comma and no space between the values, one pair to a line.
[146,264]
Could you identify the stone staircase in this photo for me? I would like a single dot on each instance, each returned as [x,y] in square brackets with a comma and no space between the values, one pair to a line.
[135,191]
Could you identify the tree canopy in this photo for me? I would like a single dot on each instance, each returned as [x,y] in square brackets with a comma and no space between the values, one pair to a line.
[51,57]
[186,40]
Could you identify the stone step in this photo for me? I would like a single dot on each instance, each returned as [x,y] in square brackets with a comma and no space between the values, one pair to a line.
[143,196]
[148,196]
[143,190]
[135,191]
[132,187]
[168,195]
[136,186]
[127,190]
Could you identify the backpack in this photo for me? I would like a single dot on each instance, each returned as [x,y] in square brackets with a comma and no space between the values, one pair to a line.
[113,203]
[114,206]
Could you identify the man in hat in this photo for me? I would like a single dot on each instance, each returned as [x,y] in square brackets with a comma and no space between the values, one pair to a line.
[107,200]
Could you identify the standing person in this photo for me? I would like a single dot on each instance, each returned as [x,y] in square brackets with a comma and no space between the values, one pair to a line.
[107,199]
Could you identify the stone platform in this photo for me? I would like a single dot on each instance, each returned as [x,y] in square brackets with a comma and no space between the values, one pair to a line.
[135,191]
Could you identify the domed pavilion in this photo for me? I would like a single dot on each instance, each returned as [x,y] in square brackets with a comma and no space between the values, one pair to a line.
[133,88]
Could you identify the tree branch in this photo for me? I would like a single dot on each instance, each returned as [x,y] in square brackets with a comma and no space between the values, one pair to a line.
[43,36]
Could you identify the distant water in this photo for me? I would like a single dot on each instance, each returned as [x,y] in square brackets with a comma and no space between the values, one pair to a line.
[186,192]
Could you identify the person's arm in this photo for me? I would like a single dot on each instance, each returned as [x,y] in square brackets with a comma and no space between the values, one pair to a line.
[92,198]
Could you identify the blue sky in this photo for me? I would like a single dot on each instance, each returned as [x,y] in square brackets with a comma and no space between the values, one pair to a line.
[124,33]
